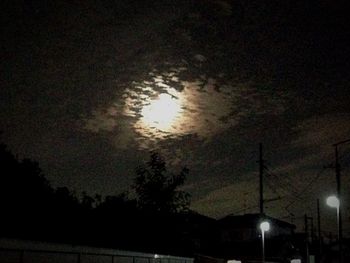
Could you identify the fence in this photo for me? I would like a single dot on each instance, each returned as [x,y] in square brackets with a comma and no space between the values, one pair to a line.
[19,251]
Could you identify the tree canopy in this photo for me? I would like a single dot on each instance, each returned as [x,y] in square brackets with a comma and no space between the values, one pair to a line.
[157,189]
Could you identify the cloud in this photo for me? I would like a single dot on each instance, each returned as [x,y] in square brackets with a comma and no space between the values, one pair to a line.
[206,107]
[230,198]
[102,121]
[320,132]
[297,177]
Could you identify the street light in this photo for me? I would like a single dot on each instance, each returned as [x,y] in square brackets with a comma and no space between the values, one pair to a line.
[264,227]
[334,202]
[337,174]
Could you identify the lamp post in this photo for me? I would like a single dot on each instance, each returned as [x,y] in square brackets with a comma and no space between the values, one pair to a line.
[339,209]
[334,202]
[264,227]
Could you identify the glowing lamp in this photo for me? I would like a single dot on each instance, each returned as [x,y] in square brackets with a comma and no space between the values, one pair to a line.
[333,201]
[265,226]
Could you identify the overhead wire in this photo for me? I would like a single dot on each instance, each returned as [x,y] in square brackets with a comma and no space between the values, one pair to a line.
[288,187]
[272,187]
[308,186]
[285,179]
[244,209]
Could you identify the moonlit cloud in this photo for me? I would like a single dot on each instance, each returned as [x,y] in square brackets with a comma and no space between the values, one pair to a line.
[165,108]
[102,121]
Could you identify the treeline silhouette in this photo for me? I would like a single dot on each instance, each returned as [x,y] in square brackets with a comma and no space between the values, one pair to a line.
[158,220]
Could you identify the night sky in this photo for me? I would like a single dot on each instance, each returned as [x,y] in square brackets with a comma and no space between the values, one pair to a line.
[88,88]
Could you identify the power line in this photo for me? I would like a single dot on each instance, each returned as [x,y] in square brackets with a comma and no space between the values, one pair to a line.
[272,187]
[244,209]
[279,177]
[287,186]
[343,155]
[308,186]
[285,179]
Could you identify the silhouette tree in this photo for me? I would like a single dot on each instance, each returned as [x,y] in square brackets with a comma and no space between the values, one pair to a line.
[29,206]
[157,190]
[22,183]
[87,201]
[116,204]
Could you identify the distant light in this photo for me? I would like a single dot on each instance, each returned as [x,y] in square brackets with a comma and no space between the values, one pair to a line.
[156,256]
[333,201]
[295,261]
[234,261]
[265,226]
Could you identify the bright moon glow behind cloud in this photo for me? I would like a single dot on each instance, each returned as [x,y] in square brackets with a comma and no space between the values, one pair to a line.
[164,108]
[161,113]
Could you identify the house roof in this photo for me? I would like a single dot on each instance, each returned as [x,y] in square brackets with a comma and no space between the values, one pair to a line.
[251,220]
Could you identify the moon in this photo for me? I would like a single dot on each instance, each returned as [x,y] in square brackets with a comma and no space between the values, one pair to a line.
[161,113]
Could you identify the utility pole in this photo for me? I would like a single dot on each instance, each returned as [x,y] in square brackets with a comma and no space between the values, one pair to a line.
[337,174]
[306,239]
[312,230]
[261,171]
[340,228]
[319,231]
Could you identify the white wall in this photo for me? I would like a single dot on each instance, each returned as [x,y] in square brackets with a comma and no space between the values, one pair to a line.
[20,251]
